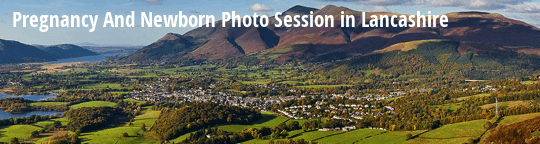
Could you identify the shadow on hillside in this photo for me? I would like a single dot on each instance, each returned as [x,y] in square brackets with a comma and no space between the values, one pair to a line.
[265,118]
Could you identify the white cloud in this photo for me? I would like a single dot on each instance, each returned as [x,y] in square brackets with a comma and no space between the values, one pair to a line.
[472,4]
[377,9]
[260,8]
[373,2]
[128,4]
[524,8]
[152,2]
[467,4]
[50,5]
[517,9]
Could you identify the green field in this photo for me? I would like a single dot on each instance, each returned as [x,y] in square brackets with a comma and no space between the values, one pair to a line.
[437,141]
[46,123]
[529,82]
[518,118]
[20,131]
[180,138]
[313,135]
[93,104]
[119,93]
[350,137]
[464,129]
[452,133]
[478,95]
[48,103]
[130,100]
[450,106]
[261,141]
[322,86]
[104,86]
[389,137]
[308,136]
[114,135]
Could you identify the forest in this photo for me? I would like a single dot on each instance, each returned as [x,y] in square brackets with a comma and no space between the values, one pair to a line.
[174,122]
[88,118]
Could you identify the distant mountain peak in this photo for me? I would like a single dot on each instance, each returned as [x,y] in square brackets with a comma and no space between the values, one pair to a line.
[333,10]
[299,10]
[171,36]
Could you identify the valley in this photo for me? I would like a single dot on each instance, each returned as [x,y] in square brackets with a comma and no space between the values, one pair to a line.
[475,81]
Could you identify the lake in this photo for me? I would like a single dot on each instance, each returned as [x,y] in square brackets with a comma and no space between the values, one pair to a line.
[6,115]
[96,58]
[28,97]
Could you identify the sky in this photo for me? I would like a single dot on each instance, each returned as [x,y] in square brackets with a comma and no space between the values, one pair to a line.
[524,10]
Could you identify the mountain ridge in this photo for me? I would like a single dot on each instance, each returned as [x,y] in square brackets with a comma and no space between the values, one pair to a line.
[66,50]
[299,43]
[16,52]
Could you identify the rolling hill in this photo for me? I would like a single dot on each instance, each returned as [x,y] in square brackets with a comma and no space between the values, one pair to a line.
[66,51]
[16,52]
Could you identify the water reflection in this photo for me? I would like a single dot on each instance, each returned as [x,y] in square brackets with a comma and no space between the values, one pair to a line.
[6,115]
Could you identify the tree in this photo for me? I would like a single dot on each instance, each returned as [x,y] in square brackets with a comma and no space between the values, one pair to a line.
[409,136]
[305,126]
[34,134]
[143,127]
[283,134]
[78,132]
[125,135]
[487,125]
[14,140]
[57,124]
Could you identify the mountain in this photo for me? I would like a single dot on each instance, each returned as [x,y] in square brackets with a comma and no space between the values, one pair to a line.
[471,30]
[16,52]
[66,51]
[170,46]
[86,44]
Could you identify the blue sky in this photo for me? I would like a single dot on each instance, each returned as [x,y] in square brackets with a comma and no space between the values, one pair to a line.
[525,10]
